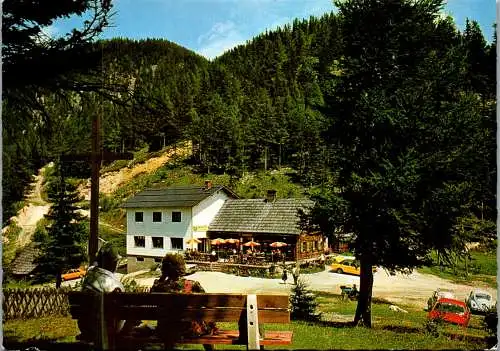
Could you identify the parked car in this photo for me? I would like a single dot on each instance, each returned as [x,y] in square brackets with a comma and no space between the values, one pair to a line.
[74,274]
[451,311]
[438,294]
[349,266]
[479,301]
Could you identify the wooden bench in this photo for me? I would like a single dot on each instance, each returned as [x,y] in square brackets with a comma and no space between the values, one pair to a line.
[110,308]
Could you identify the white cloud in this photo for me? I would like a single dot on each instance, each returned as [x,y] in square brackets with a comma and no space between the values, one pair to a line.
[221,37]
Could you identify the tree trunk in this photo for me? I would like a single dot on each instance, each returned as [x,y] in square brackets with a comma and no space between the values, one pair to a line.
[364,309]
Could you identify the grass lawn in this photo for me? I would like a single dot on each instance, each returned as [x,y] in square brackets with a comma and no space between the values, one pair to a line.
[482,267]
[391,330]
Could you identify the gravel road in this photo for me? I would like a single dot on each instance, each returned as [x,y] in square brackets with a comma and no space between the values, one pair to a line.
[413,289]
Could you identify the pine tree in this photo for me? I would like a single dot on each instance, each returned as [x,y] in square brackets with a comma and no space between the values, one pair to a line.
[303,303]
[65,247]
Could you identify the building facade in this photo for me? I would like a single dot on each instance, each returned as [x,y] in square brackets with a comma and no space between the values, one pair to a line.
[172,219]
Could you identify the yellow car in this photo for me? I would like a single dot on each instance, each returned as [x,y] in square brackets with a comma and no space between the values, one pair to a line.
[349,266]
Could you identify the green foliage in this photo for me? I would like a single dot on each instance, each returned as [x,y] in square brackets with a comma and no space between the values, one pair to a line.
[107,203]
[433,327]
[405,153]
[303,303]
[131,285]
[254,186]
[9,243]
[480,266]
[66,244]
[41,234]
[115,166]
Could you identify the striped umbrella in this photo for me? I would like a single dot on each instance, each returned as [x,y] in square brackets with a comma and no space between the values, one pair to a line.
[278,244]
[218,241]
[232,241]
[251,244]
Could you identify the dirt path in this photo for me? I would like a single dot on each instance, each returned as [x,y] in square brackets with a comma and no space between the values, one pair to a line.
[111,181]
[412,289]
[30,214]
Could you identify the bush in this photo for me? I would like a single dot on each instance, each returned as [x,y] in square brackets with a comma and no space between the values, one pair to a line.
[433,327]
[9,245]
[41,235]
[107,203]
[131,285]
[303,303]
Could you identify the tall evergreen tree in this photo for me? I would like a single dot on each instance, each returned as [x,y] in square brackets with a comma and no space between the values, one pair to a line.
[65,247]
[399,133]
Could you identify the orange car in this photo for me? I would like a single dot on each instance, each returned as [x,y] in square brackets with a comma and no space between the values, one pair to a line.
[74,274]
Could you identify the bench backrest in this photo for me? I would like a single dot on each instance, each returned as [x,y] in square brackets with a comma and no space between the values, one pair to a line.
[176,307]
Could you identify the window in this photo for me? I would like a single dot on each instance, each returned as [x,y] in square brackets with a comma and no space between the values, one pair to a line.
[304,246]
[139,216]
[156,216]
[157,260]
[139,259]
[176,243]
[176,216]
[157,242]
[140,241]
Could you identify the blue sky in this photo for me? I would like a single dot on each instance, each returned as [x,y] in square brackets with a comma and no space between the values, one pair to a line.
[209,27]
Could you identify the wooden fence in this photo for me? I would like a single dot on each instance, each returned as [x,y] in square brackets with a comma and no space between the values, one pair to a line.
[39,302]
[32,303]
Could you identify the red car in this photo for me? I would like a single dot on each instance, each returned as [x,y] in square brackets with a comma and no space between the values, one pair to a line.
[451,310]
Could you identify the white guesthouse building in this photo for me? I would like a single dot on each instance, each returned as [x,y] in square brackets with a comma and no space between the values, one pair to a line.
[164,220]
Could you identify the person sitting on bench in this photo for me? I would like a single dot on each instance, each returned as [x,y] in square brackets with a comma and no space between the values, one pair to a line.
[100,278]
[173,267]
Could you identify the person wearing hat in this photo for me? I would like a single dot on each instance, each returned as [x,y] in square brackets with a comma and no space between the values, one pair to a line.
[100,278]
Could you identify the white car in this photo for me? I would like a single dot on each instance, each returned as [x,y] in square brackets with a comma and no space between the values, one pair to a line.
[479,301]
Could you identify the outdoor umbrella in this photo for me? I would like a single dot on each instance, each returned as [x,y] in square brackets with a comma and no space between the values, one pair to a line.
[193,241]
[232,241]
[218,241]
[251,244]
[278,244]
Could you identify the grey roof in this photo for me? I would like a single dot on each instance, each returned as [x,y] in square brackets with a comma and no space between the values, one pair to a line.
[176,196]
[260,216]
[24,264]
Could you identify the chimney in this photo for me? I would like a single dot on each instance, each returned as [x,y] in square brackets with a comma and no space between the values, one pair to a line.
[271,196]
[208,184]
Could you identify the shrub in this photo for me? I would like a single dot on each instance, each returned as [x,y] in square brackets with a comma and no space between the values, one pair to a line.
[107,203]
[9,244]
[433,327]
[303,303]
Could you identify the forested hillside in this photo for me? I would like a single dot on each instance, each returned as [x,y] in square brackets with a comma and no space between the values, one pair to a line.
[267,104]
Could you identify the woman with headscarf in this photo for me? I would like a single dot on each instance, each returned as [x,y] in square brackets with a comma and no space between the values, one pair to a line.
[173,267]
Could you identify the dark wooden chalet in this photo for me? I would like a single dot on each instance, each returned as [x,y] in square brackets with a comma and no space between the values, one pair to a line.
[266,221]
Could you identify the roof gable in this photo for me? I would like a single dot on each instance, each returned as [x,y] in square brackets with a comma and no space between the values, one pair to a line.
[24,263]
[176,196]
[260,216]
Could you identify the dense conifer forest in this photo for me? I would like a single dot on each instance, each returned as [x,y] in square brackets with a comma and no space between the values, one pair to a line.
[270,103]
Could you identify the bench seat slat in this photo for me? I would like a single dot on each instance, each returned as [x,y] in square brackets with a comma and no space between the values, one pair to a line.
[169,300]
[215,314]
